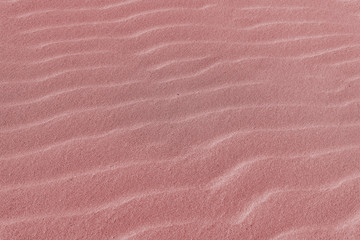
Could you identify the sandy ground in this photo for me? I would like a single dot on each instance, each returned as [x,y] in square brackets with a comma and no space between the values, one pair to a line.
[177,120]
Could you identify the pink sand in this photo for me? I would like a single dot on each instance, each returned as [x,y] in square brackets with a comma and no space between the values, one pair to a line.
[176,120]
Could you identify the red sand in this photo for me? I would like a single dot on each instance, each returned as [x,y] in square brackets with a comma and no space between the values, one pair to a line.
[180,120]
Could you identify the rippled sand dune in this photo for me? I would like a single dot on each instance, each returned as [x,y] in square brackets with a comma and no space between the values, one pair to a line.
[209,120]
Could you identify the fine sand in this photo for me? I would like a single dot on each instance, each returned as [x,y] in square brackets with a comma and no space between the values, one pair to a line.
[179,119]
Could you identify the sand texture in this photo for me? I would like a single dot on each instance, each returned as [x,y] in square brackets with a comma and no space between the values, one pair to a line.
[179,120]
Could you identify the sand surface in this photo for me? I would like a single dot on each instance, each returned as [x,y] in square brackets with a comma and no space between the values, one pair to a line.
[177,120]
